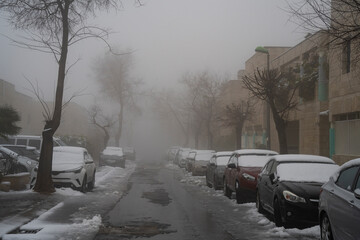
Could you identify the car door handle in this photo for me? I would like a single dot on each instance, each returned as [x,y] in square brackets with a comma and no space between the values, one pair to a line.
[332,191]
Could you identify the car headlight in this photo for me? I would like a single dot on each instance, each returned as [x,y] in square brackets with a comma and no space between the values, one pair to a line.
[291,197]
[76,170]
[248,177]
[28,162]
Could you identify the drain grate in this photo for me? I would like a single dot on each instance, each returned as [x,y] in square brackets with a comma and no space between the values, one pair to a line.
[25,231]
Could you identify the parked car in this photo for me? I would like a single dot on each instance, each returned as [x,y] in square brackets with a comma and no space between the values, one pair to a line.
[240,174]
[72,167]
[16,162]
[181,156]
[130,153]
[112,156]
[27,151]
[200,161]
[215,169]
[289,188]
[339,205]
[29,140]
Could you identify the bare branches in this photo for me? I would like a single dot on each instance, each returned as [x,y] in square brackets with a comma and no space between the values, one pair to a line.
[339,18]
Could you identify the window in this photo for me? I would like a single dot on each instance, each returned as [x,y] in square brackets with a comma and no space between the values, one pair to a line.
[347,136]
[21,141]
[273,167]
[34,143]
[346,178]
[267,167]
[346,57]
[357,186]
[233,160]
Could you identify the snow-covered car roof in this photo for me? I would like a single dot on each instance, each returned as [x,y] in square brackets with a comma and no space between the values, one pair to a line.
[69,149]
[302,158]
[203,151]
[255,152]
[115,151]
[224,153]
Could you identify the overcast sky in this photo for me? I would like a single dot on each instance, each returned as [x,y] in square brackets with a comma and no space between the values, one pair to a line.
[169,37]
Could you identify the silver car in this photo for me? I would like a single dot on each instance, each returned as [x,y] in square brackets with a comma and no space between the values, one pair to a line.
[339,205]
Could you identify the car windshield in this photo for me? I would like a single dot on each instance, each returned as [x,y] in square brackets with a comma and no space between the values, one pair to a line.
[203,156]
[253,161]
[306,172]
[222,160]
[66,157]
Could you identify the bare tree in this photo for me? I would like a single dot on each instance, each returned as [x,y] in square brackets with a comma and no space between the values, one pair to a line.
[339,18]
[52,27]
[203,90]
[167,102]
[102,121]
[278,90]
[235,115]
[113,73]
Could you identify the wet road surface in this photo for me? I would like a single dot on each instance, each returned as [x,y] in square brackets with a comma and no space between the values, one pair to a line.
[159,204]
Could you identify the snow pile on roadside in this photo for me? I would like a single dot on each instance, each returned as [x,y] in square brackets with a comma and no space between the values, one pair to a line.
[68,192]
[170,165]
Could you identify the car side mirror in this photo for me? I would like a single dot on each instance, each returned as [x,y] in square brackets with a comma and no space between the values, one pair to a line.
[273,178]
[231,165]
[212,164]
[357,193]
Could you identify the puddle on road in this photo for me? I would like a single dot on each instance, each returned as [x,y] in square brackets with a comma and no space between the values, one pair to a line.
[133,230]
[158,196]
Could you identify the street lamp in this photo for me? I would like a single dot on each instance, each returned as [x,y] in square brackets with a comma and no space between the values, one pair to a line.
[260,49]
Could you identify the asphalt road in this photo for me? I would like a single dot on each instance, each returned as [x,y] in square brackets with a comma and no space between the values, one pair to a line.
[159,204]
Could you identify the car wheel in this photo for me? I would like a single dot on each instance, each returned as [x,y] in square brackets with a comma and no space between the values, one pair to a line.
[83,187]
[277,213]
[258,203]
[226,190]
[91,184]
[325,226]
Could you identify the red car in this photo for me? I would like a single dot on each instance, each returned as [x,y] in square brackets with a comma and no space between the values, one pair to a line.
[240,175]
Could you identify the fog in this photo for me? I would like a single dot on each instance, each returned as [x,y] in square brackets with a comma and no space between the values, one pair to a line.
[168,38]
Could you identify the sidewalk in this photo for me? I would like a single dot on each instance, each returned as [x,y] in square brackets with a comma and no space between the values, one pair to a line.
[66,214]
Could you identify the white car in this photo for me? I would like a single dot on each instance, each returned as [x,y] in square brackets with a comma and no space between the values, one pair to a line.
[72,167]
[112,156]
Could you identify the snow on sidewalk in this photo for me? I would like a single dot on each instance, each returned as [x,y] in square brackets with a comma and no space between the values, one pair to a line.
[75,215]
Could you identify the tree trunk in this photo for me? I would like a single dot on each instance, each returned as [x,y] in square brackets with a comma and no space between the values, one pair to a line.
[118,134]
[44,182]
[238,130]
[210,136]
[281,130]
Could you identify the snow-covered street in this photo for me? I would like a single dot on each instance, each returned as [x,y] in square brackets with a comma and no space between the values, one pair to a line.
[146,201]
[66,214]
